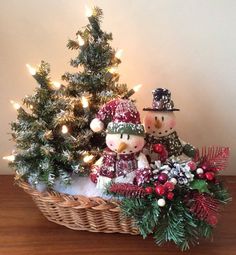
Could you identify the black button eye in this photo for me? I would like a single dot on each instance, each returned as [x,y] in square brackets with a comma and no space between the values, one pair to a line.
[121,136]
[162,118]
[128,136]
[148,127]
[155,117]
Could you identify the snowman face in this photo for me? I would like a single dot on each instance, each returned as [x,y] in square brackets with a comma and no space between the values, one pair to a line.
[159,123]
[124,143]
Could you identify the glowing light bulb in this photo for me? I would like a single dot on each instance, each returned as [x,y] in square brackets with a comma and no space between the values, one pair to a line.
[64,129]
[15,105]
[119,54]
[84,101]
[137,87]
[88,158]
[80,40]
[31,107]
[9,158]
[113,70]
[88,11]
[56,85]
[31,69]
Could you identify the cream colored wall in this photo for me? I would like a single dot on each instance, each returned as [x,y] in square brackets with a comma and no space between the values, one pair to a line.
[185,45]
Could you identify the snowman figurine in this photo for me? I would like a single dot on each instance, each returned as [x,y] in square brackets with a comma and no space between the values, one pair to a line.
[122,161]
[160,122]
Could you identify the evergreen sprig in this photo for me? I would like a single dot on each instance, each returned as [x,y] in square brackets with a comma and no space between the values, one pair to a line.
[175,222]
[145,212]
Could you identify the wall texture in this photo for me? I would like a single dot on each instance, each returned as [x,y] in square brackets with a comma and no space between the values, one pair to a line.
[187,46]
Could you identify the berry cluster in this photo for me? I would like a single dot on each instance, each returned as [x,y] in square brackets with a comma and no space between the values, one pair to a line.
[202,171]
[162,188]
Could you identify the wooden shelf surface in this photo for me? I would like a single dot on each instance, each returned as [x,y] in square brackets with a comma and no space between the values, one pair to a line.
[24,230]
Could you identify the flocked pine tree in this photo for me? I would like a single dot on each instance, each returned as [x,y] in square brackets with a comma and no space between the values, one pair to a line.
[53,137]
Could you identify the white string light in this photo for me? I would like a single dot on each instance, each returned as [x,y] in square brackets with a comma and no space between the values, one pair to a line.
[113,70]
[55,85]
[80,40]
[137,87]
[119,54]
[88,158]
[15,105]
[31,69]
[64,129]
[88,11]
[9,158]
[84,101]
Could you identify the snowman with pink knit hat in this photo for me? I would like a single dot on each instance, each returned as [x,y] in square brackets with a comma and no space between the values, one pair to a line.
[122,161]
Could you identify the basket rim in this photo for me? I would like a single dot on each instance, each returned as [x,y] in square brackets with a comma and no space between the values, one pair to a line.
[66,200]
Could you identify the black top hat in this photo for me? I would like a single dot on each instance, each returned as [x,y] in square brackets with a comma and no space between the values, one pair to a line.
[161,101]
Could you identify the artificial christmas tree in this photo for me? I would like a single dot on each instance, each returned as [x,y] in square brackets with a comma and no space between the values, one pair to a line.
[55,140]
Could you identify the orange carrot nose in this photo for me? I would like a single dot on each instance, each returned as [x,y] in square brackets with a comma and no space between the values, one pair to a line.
[121,147]
[158,123]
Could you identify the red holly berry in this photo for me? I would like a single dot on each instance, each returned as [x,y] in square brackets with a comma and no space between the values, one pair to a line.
[170,195]
[192,165]
[162,178]
[148,190]
[158,148]
[209,176]
[160,190]
[169,186]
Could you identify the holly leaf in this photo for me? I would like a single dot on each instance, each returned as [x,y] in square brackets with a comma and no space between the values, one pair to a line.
[200,185]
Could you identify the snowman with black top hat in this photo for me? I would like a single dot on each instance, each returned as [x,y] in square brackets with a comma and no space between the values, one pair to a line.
[160,123]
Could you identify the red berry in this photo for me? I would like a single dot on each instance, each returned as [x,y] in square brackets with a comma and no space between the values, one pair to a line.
[169,186]
[160,190]
[170,195]
[148,190]
[158,148]
[201,176]
[213,220]
[163,177]
[209,176]
[192,165]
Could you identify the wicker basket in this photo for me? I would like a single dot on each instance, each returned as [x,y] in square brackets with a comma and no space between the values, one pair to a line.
[81,213]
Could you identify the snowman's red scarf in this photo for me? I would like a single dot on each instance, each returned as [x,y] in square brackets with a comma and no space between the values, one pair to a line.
[171,143]
[114,165]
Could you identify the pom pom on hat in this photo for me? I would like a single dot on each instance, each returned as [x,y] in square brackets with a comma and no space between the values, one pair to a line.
[96,125]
